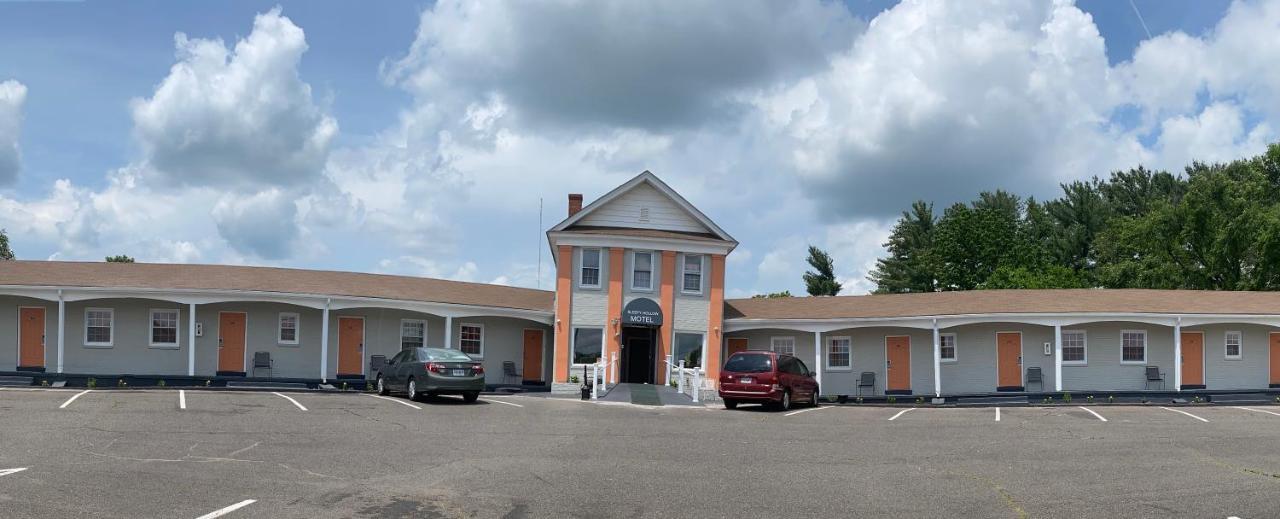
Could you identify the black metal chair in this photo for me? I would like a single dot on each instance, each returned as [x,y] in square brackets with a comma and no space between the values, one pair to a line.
[1034,376]
[868,379]
[509,371]
[376,363]
[262,360]
[1154,376]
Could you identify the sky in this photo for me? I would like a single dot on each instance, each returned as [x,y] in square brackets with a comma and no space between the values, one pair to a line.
[422,138]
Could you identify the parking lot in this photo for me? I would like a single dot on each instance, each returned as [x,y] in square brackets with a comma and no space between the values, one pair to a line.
[199,453]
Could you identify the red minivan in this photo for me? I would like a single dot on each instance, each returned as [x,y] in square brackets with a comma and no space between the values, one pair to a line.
[765,377]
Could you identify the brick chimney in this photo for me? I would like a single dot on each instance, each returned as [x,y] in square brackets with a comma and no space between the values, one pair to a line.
[575,203]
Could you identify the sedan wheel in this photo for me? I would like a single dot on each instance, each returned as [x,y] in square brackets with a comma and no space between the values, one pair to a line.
[413,389]
[382,386]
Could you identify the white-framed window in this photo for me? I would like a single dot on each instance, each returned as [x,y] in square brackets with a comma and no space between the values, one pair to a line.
[471,339]
[287,329]
[642,271]
[1074,348]
[783,345]
[98,327]
[691,280]
[947,347]
[413,333]
[589,271]
[587,345]
[839,353]
[688,349]
[164,328]
[1234,344]
[1133,346]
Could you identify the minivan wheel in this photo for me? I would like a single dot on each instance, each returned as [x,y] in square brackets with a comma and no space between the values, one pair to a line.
[786,401]
[382,386]
[813,401]
[730,404]
[413,389]
[470,396]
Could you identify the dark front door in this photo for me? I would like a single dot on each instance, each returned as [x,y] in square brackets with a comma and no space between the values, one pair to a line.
[637,359]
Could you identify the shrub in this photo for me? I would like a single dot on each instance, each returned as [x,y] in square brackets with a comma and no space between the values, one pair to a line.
[892,399]
[1111,399]
[91,383]
[160,383]
[1089,399]
[44,382]
[207,382]
[1066,397]
[121,383]
[574,379]
[860,399]
[919,400]
[345,386]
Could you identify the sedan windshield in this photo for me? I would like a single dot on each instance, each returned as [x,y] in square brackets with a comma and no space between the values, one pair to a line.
[751,363]
[447,355]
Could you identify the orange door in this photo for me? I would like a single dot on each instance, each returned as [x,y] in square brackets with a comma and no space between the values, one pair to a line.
[736,344]
[898,353]
[532,370]
[350,345]
[31,338]
[1275,358]
[1009,360]
[1192,358]
[231,341]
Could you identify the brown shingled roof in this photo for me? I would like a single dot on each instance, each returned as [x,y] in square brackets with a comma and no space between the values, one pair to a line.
[270,279]
[1007,301]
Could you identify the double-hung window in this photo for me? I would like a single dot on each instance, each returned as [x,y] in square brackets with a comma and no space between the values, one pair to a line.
[413,333]
[164,328]
[783,345]
[589,275]
[947,347]
[839,351]
[642,271]
[1234,345]
[1133,346]
[1074,347]
[287,332]
[98,323]
[471,339]
[692,270]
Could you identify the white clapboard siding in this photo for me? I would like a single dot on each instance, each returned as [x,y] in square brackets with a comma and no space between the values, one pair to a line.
[627,209]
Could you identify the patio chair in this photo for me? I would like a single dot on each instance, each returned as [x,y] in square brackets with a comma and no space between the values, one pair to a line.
[1154,376]
[262,360]
[509,371]
[868,379]
[1034,376]
[376,363]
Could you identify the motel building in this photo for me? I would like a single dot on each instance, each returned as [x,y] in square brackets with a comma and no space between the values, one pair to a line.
[639,291]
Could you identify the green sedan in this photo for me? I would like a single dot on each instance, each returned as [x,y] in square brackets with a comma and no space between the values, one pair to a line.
[432,371]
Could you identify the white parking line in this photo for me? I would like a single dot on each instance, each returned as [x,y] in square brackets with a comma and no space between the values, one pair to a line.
[805,410]
[1257,410]
[500,402]
[1094,413]
[229,509]
[1184,412]
[6,472]
[73,398]
[396,400]
[295,402]
[900,413]
[182,399]
[997,414]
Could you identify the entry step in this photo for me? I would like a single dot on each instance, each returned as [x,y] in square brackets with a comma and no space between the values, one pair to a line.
[993,400]
[16,381]
[251,384]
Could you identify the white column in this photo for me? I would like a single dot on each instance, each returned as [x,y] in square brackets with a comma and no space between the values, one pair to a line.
[937,361]
[448,332]
[1177,354]
[62,328]
[817,359]
[1057,357]
[324,342]
[191,340]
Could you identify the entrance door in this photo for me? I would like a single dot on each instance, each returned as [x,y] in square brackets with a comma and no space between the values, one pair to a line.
[1009,361]
[637,361]
[231,342]
[736,344]
[1193,360]
[532,370]
[31,339]
[1275,359]
[350,346]
[898,362]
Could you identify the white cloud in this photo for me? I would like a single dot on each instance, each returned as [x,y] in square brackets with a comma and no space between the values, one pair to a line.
[428,267]
[264,224]
[12,96]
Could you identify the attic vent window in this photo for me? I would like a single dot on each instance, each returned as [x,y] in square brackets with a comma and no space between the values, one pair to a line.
[644,215]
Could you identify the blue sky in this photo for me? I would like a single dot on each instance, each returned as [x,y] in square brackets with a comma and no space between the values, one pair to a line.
[417,138]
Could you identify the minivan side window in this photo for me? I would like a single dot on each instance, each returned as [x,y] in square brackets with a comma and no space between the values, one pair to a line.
[787,364]
[801,369]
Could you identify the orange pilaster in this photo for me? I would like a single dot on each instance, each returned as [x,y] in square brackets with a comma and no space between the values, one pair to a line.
[613,328]
[666,300]
[564,295]
[715,320]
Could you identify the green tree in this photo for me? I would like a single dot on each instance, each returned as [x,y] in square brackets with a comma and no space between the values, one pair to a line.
[121,258]
[773,295]
[6,254]
[910,265]
[1047,276]
[821,281]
